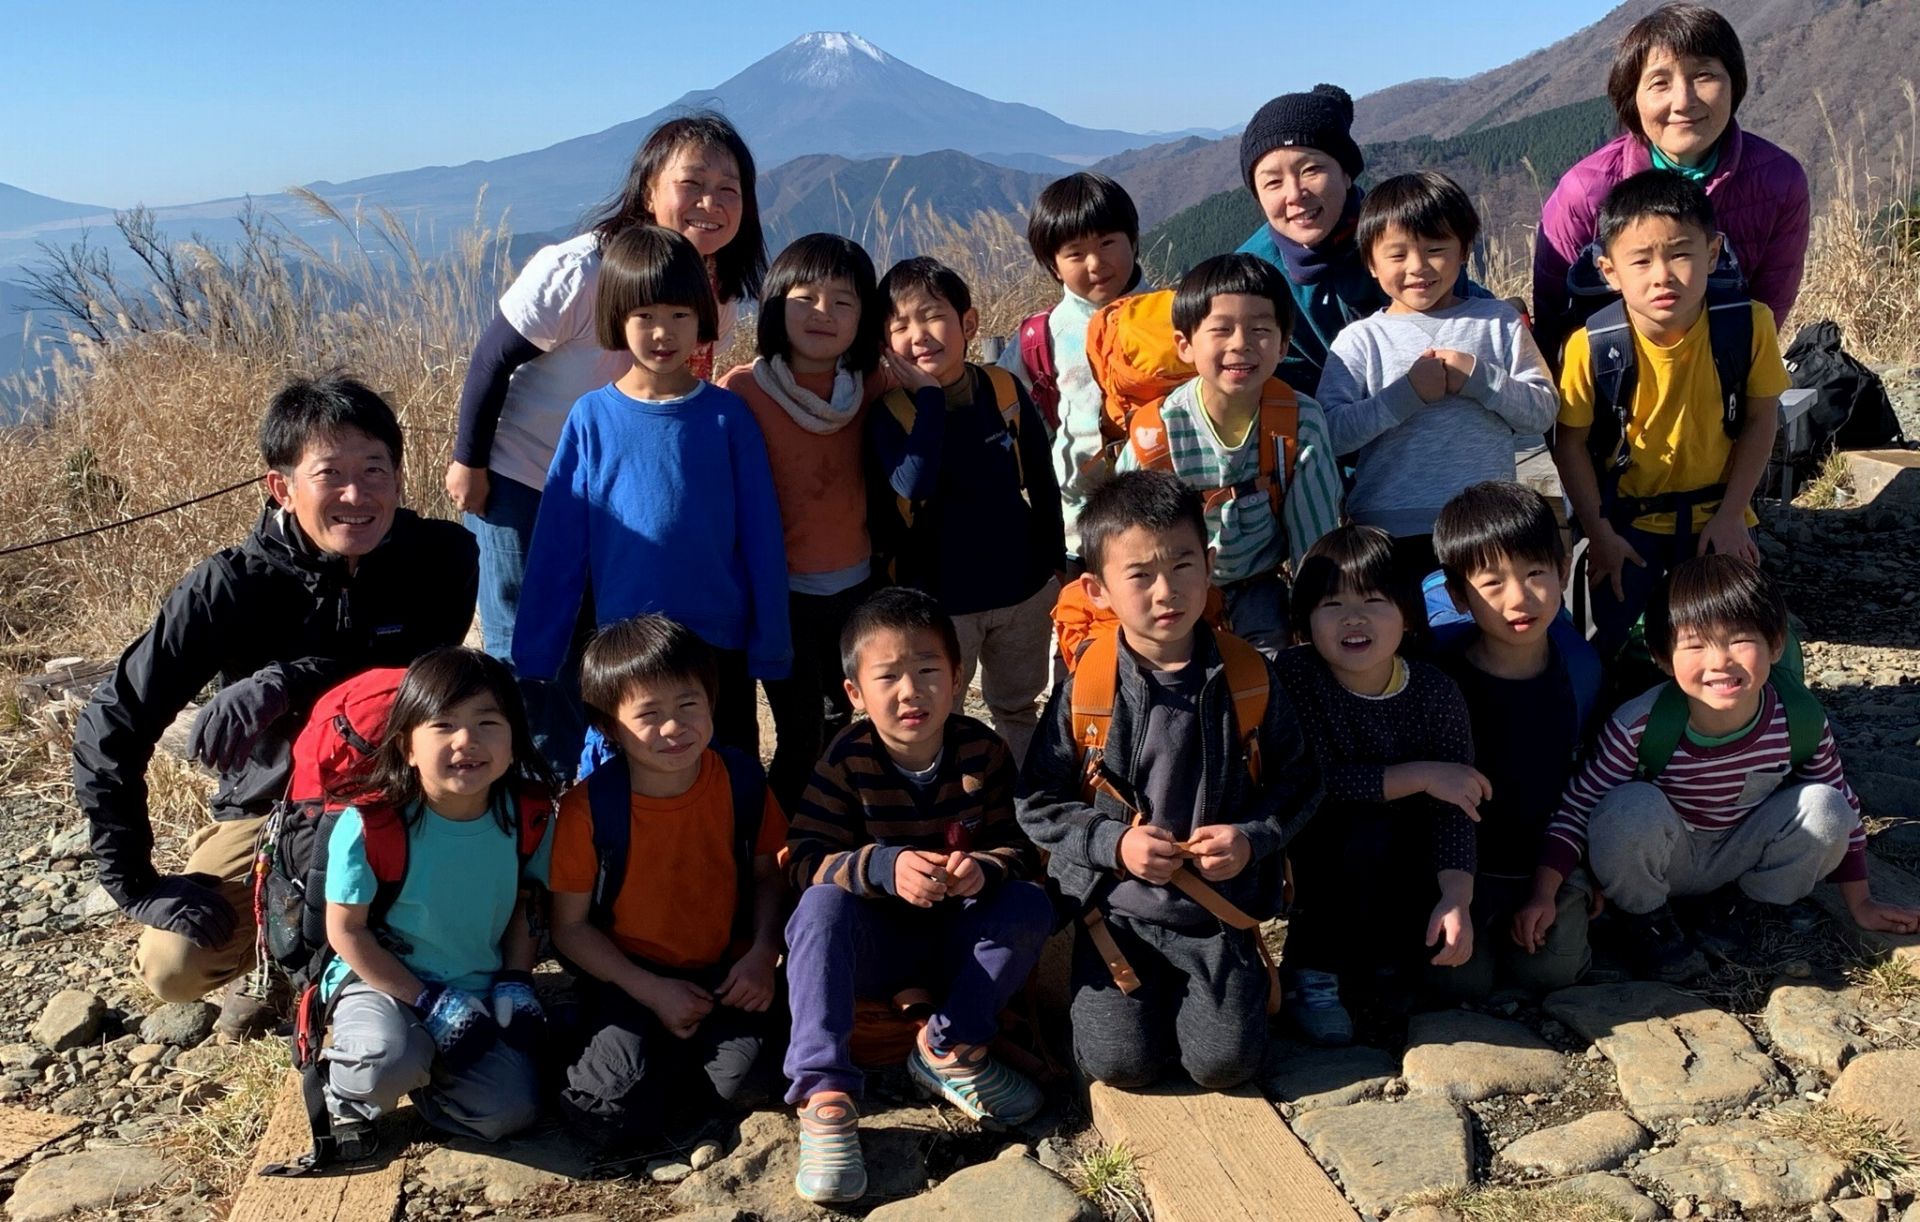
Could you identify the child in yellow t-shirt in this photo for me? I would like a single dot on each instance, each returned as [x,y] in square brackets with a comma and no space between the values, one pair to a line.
[1678,479]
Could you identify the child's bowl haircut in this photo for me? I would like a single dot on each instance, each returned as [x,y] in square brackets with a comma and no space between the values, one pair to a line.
[1652,193]
[649,266]
[1083,205]
[1492,522]
[814,259]
[1358,558]
[1157,501]
[926,275]
[895,609]
[644,651]
[1238,274]
[1714,595]
[308,409]
[1681,29]
[1427,205]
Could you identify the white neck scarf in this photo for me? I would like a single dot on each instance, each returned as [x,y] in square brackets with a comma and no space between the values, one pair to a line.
[808,410]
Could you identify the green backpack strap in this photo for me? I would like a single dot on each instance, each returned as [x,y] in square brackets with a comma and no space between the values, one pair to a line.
[1806,720]
[1666,722]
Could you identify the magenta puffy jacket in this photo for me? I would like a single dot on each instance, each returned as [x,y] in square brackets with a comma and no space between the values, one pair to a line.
[1759,194]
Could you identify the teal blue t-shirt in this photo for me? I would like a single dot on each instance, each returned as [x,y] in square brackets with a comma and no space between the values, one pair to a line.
[452,909]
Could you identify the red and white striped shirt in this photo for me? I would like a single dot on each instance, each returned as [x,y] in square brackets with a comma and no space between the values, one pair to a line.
[1712,788]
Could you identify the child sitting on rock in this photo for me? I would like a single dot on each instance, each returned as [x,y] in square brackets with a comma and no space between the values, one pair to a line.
[912,874]
[1727,775]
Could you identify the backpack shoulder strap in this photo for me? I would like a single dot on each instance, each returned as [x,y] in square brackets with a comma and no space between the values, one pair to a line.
[1247,684]
[1147,434]
[899,404]
[610,803]
[1583,668]
[1666,722]
[747,784]
[1036,345]
[1006,395]
[1730,333]
[1806,720]
[1279,439]
[384,836]
[533,812]
[1090,702]
[1610,350]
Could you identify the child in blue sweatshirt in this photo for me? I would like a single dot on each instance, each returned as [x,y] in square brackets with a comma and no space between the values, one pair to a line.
[660,497]
[964,502]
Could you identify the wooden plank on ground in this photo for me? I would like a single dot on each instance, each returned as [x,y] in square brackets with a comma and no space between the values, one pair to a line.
[1214,1156]
[370,1195]
[22,1132]
[1890,885]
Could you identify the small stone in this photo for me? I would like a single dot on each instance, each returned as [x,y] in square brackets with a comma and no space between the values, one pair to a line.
[1014,1150]
[1600,1141]
[1863,1209]
[24,1056]
[1881,1085]
[94,904]
[91,1179]
[146,1054]
[705,1155]
[1309,1077]
[27,918]
[70,1019]
[668,1171]
[1003,1188]
[1385,1152]
[1813,1025]
[1683,1207]
[184,1024]
[1053,1154]
[1468,1057]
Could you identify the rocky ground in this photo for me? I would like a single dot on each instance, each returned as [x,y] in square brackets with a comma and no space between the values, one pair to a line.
[1783,1086]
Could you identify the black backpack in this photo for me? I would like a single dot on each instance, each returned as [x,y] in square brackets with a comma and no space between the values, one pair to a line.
[1851,410]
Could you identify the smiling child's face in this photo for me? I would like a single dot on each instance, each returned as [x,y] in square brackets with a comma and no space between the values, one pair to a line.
[664,728]
[1358,633]
[926,330]
[1723,671]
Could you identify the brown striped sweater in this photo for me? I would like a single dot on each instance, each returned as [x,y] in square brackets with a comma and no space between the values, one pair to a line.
[859,812]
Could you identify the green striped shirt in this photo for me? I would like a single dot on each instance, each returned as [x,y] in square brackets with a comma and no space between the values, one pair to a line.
[1245,537]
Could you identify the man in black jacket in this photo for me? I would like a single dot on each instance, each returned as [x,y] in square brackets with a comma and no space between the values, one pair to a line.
[333,579]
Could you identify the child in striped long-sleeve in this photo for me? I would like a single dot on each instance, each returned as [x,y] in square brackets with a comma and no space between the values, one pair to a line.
[913,873]
[1259,453]
[1727,775]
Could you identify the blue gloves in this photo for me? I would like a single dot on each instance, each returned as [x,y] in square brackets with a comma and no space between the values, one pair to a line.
[225,731]
[461,1028]
[517,1010]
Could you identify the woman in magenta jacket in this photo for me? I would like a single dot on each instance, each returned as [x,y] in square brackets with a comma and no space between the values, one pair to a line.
[1677,79]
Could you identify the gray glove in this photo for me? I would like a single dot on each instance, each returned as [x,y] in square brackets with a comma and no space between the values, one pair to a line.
[225,731]
[189,905]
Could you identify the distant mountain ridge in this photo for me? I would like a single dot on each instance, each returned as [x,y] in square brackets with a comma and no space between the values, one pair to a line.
[20,209]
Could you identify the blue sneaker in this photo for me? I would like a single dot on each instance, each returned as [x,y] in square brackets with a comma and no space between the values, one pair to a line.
[1313,1007]
[977,1084]
[832,1168]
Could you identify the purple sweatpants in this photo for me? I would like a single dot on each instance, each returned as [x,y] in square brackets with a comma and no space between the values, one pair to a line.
[973,954]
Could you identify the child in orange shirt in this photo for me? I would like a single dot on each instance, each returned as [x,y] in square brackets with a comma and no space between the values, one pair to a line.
[665,890]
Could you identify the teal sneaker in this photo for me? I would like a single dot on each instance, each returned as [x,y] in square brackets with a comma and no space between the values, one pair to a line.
[832,1168]
[977,1084]
[1314,1010]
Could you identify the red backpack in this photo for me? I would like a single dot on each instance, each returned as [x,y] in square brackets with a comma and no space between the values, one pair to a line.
[1036,353]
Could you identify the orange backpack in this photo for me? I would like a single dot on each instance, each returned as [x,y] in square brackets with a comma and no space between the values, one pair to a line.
[1130,345]
[1076,619]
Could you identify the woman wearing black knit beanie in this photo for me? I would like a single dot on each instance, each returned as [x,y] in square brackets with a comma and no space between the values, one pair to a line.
[1298,157]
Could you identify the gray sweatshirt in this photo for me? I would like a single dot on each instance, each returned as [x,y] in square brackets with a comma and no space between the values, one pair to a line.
[1414,456]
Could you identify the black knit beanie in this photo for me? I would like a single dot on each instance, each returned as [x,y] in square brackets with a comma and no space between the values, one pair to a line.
[1320,120]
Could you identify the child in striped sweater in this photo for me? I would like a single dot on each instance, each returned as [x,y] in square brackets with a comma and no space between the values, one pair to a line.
[913,874]
[1231,318]
[1726,775]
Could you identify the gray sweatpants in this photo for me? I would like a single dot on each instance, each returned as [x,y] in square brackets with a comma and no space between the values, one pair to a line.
[1643,852]
[381,1052]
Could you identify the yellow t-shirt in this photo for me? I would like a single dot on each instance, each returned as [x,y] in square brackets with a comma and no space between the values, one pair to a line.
[1675,435]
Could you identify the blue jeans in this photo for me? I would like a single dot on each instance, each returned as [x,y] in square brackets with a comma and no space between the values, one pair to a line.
[1614,616]
[504,532]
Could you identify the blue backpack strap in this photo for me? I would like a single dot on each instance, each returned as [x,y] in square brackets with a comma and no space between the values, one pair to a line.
[1730,331]
[610,801]
[747,781]
[1583,668]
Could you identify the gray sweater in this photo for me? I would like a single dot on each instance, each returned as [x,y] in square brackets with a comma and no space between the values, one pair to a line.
[1414,456]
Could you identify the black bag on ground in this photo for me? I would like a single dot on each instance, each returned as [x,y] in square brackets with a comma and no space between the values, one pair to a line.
[1851,410]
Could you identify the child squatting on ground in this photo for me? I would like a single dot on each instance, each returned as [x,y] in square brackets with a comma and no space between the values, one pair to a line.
[666,893]
[1726,775]
[433,997]
[912,873]
[1170,835]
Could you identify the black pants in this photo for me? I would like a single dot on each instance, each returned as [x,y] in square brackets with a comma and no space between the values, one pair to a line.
[736,720]
[1201,1005]
[633,1069]
[810,705]
[1363,888]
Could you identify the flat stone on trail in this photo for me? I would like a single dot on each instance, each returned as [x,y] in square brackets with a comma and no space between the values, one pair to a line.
[71,1019]
[1615,1191]
[1004,1188]
[1814,1025]
[1745,1162]
[1385,1152]
[1308,1077]
[1467,1057]
[501,1173]
[183,1024]
[1674,1055]
[757,1178]
[1884,1086]
[91,1179]
[1599,1141]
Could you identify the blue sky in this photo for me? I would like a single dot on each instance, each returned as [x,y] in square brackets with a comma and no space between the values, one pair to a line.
[113,102]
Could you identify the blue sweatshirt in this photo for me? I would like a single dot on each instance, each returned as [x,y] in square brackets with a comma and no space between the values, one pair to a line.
[667,506]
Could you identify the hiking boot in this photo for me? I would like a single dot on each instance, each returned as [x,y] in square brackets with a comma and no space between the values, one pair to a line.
[831,1165]
[975,1083]
[1657,948]
[1313,1006]
[354,1141]
[247,1014]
